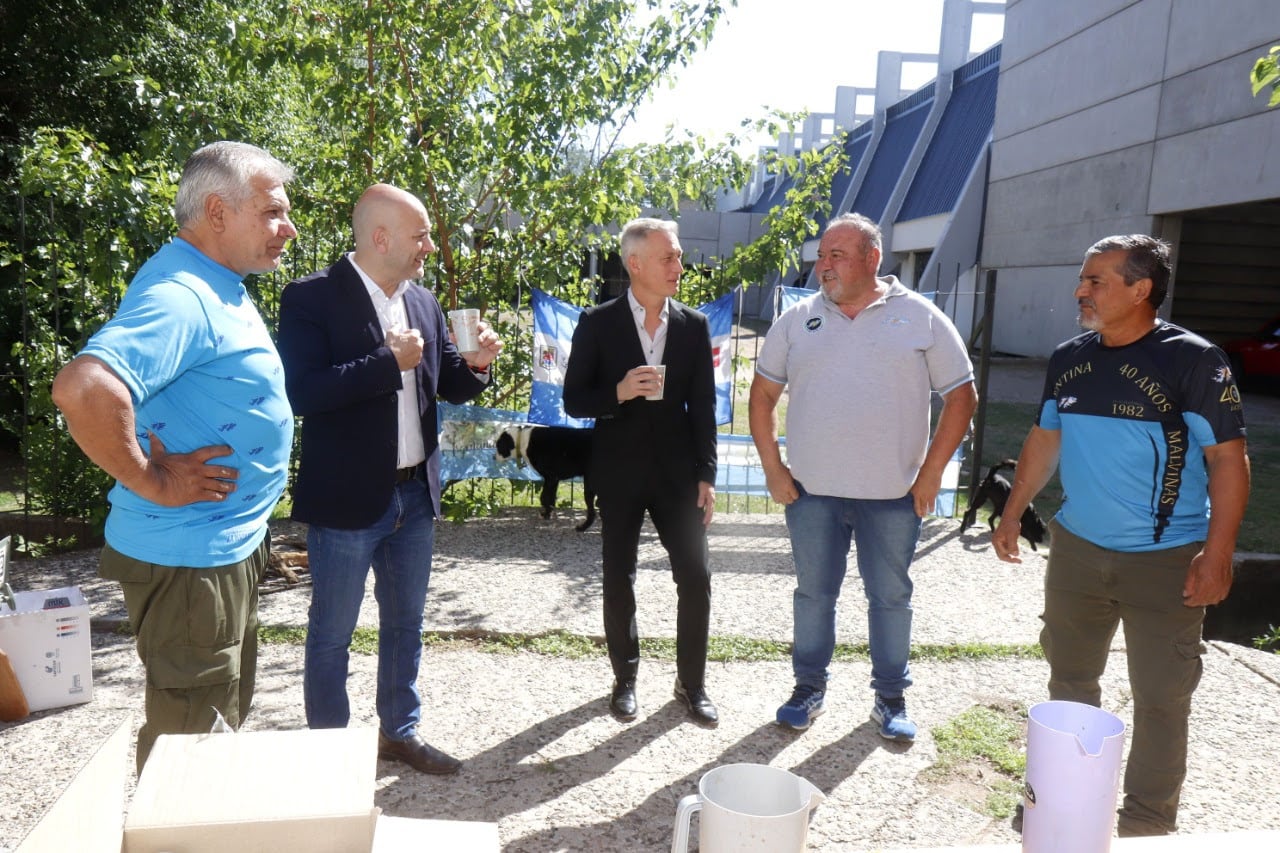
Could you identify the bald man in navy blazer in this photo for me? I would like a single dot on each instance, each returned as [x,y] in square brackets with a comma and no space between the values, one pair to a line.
[366,352]
[654,455]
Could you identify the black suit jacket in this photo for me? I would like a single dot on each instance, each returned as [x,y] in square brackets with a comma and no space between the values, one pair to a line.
[674,437]
[342,380]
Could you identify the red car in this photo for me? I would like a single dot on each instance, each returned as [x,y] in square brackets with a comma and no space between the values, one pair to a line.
[1257,356]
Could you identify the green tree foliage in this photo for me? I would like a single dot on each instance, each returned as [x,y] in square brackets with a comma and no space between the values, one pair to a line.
[1266,74]
[788,225]
[63,275]
[502,115]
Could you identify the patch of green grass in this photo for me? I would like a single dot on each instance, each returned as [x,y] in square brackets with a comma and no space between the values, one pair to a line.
[281,635]
[946,653]
[986,736]
[978,651]
[1003,798]
[746,650]
[560,644]
[992,734]
[728,649]
[364,641]
[1259,531]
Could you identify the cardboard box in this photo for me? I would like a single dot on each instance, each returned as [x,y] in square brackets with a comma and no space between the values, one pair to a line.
[256,792]
[405,834]
[89,816]
[252,792]
[47,640]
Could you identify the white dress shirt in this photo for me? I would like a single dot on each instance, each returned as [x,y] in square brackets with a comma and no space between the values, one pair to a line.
[393,317]
[654,347]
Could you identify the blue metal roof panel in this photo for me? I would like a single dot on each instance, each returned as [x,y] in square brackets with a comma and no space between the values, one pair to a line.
[903,122]
[959,140]
[779,196]
[855,146]
[761,204]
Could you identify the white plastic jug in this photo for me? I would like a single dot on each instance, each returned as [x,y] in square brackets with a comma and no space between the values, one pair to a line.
[1073,776]
[748,807]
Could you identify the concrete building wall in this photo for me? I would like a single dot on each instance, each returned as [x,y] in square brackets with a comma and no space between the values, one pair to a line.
[1111,116]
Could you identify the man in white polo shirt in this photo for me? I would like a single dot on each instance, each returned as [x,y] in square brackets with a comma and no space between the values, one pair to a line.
[861,358]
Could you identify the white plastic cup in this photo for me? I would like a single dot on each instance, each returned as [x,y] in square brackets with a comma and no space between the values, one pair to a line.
[662,382]
[466,328]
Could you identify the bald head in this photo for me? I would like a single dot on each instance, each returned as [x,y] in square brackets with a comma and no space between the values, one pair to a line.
[382,205]
[393,235]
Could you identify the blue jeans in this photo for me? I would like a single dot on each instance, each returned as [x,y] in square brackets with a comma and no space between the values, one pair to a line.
[885,533]
[398,545]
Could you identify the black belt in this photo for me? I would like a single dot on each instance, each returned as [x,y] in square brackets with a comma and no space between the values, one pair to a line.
[403,475]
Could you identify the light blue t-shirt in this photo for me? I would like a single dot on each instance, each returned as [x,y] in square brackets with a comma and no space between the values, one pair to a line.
[194,353]
[1134,421]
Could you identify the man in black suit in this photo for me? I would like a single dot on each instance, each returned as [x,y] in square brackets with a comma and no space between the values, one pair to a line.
[654,449]
[366,352]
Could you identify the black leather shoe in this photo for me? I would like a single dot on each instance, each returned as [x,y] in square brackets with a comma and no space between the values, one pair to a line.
[622,702]
[698,704]
[418,754]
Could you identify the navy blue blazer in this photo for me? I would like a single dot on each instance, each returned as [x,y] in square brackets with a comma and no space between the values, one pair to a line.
[342,380]
[673,438]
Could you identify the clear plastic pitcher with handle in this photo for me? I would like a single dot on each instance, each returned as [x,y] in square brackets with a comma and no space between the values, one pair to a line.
[748,807]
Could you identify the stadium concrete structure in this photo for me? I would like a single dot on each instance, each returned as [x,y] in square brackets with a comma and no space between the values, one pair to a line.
[1089,118]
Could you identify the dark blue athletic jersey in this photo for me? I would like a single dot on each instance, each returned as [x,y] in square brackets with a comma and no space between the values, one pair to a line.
[1134,421]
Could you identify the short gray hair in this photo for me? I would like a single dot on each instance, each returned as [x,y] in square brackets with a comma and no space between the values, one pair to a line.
[869,229]
[637,231]
[1145,257]
[224,169]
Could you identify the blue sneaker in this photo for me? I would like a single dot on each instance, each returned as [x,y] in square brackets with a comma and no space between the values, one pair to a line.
[891,714]
[800,710]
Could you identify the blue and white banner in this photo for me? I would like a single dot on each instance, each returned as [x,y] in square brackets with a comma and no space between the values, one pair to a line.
[467,438]
[469,434]
[784,297]
[553,325]
[720,321]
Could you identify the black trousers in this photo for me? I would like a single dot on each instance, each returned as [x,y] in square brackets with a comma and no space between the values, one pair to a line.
[678,520]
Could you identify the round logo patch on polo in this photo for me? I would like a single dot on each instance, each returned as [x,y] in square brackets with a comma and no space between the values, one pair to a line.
[813,324]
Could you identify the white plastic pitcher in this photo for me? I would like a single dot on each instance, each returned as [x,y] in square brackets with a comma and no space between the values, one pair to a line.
[748,807]
[1073,776]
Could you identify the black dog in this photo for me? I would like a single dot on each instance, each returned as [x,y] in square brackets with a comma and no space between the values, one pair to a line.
[557,453]
[994,489]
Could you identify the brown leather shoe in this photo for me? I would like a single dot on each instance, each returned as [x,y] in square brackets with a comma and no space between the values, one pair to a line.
[418,754]
[698,704]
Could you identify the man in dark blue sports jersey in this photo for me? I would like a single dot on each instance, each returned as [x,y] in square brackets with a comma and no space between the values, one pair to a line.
[1146,421]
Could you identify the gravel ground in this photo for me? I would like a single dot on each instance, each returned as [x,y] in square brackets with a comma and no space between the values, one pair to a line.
[548,764]
[546,761]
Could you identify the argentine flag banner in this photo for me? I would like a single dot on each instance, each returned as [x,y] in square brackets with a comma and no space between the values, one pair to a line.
[720,322]
[784,297]
[553,325]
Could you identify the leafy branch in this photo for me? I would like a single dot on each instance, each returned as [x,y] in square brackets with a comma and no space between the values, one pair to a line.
[1266,73]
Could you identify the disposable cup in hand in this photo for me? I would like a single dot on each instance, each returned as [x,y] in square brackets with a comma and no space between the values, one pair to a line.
[662,381]
[466,328]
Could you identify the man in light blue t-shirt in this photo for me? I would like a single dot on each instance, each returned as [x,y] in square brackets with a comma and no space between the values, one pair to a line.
[180,397]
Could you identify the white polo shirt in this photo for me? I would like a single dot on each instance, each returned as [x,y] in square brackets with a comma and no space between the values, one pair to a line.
[859,390]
